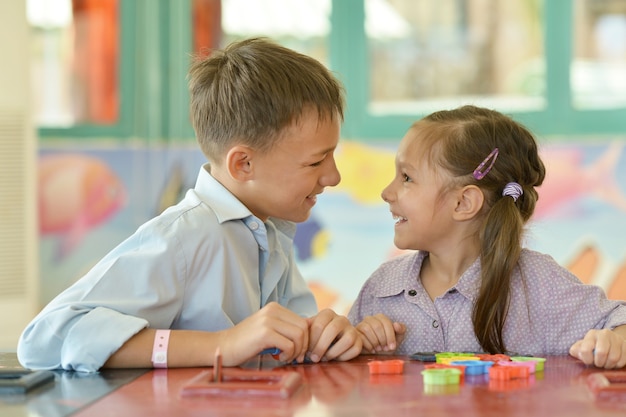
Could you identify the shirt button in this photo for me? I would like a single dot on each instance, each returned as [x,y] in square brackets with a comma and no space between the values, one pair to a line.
[254,225]
[412,293]
[435,324]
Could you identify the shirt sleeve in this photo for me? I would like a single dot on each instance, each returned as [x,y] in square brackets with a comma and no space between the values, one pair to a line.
[377,295]
[135,286]
[362,304]
[571,307]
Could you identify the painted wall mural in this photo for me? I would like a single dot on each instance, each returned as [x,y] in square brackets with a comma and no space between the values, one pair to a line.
[76,193]
[92,199]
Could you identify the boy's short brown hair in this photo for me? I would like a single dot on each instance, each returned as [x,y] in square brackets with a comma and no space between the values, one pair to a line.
[250,91]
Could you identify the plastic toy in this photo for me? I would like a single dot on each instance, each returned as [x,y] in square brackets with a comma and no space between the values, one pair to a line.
[392,366]
[424,356]
[242,382]
[446,366]
[493,358]
[502,372]
[539,361]
[474,367]
[442,376]
[531,365]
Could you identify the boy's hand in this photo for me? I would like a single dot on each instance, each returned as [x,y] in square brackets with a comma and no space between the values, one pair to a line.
[271,326]
[332,337]
[602,348]
[380,334]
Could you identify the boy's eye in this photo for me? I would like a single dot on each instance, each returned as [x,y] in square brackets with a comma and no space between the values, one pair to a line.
[318,163]
[406,178]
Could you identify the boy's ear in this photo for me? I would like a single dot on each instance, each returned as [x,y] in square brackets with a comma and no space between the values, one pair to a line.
[239,162]
[470,201]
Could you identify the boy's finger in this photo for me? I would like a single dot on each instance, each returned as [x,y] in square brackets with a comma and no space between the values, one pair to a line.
[345,345]
[353,349]
[317,325]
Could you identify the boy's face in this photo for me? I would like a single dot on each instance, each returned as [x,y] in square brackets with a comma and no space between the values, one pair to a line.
[288,178]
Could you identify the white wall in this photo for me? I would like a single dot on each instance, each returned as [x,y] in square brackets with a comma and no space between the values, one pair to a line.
[18,171]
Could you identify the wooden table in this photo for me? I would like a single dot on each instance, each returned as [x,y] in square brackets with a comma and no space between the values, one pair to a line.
[69,392]
[347,389]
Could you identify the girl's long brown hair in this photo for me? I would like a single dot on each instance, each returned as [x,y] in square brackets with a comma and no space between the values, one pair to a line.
[460,140]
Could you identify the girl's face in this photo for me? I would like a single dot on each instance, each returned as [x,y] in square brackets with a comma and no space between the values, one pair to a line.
[416,201]
[289,177]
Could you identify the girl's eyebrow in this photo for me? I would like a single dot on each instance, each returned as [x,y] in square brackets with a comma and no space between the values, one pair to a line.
[403,163]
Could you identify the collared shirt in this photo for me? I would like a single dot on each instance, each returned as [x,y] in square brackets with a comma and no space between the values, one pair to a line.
[204,264]
[549,308]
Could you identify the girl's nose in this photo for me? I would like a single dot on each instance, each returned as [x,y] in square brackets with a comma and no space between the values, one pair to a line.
[386,194]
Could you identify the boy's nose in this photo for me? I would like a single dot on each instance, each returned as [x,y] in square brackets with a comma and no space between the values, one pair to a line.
[332,177]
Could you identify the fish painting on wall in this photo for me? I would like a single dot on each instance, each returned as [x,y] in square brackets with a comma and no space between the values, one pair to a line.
[569,178]
[76,193]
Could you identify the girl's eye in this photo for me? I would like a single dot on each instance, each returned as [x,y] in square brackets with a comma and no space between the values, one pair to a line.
[406,178]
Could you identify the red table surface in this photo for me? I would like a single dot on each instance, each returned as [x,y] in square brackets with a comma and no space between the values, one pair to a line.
[347,389]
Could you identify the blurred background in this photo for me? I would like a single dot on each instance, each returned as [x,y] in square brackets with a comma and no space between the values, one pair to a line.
[95,136]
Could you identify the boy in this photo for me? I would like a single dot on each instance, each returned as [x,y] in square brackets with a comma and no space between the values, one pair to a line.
[218,269]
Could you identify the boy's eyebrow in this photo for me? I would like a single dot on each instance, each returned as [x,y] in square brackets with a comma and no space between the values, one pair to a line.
[325,151]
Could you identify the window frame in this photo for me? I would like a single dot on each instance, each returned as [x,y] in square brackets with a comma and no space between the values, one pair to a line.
[348,44]
[154,45]
[156,40]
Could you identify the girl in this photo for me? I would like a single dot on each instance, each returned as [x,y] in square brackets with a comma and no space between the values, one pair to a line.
[464,188]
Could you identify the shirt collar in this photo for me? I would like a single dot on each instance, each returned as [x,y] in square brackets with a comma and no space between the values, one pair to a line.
[409,267]
[401,276]
[469,283]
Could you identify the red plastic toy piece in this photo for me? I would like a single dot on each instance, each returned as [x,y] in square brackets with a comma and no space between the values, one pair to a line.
[508,372]
[393,366]
[493,358]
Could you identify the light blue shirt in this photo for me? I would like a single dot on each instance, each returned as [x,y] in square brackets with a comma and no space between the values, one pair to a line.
[205,264]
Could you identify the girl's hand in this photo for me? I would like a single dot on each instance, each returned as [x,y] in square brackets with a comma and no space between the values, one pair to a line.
[380,334]
[602,348]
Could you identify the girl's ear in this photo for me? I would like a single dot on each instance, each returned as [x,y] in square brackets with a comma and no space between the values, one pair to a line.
[239,163]
[469,202]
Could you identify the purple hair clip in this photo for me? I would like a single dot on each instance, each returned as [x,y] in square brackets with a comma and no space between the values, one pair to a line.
[482,169]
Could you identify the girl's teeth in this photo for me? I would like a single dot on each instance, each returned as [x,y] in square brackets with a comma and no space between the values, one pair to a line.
[399,219]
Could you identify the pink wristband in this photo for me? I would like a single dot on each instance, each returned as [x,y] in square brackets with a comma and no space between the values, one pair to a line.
[159,350]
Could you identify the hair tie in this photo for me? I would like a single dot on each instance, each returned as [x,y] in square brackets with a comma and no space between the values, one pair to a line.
[513,190]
